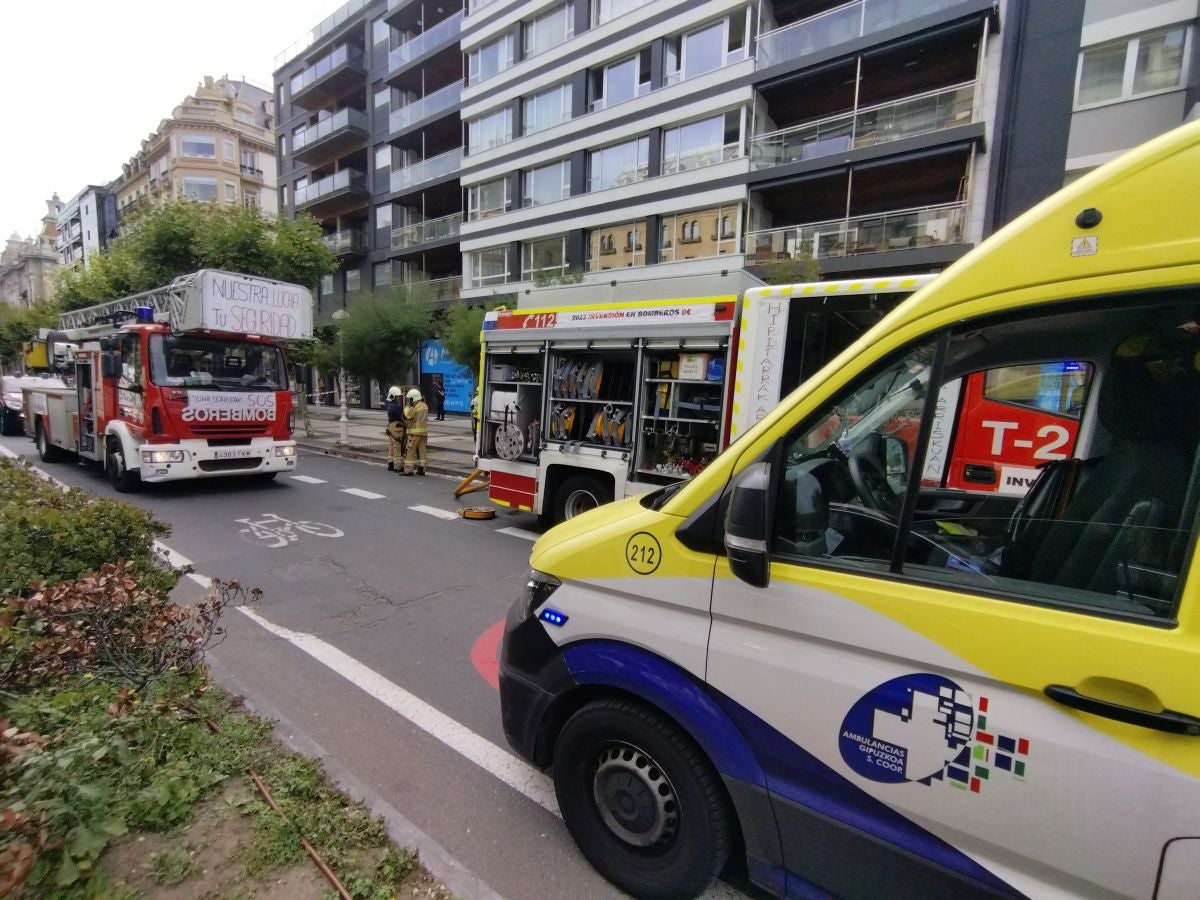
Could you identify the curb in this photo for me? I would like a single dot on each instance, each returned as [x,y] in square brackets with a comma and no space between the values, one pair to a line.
[433,466]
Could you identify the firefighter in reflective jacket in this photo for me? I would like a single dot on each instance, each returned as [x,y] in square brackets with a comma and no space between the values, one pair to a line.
[416,414]
[397,428]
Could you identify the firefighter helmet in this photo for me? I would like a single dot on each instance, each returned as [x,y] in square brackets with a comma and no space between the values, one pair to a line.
[395,393]
[414,395]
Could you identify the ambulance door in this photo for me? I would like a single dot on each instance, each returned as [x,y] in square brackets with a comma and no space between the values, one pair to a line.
[961,715]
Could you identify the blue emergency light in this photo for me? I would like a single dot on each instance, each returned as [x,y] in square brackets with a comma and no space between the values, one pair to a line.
[145,314]
[553,616]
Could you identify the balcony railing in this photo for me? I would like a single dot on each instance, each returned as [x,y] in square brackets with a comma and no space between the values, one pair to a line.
[429,230]
[443,32]
[920,114]
[435,167]
[348,240]
[338,181]
[839,25]
[439,101]
[438,288]
[328,25]
[252,173]
[346,118]
[700,157]
[902,229]
[323,66]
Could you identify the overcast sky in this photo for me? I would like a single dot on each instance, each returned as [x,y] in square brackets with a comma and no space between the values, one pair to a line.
[84,81]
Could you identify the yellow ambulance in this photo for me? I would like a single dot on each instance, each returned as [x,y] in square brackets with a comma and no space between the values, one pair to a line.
[870,684]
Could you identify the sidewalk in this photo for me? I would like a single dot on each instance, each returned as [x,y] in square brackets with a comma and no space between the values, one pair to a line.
[451,449]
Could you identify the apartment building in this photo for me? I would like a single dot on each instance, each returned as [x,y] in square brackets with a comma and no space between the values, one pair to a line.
[370,144]
[86,225]
[1138,75]
[218,146]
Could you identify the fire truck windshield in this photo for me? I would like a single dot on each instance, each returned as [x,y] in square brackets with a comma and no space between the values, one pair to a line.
[183,361]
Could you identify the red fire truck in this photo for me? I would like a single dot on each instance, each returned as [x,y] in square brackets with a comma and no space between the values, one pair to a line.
[185,381]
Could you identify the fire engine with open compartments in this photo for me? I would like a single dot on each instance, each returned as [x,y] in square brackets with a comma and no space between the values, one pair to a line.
[185,381]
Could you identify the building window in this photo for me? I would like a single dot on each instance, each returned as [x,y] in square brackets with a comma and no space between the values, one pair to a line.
[487,199]
[616,247]
[619,81]
[546,184]
[489,131]
[383,216]
[383,97]
[198,187]
[489,266]
[283,194]
[380,31]
[383,156]
[607,10]
[545,258]
[199,145]
[326,285]
[353,280]
[702,143]
[244,116]
[230,150]
[250,163]
[490,59]
[1146,64]
[230,192]
[547,109]
[549,30]
[621,164]
[706,49]
[702,233]
[382,274]
[249,199]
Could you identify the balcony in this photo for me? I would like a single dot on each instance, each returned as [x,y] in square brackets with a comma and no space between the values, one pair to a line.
[347,242]
[438,289]
[333,195]
[904,229]
[443,33]
[920,114]
[698,158]
[250,173]
[426,232]
[427,170]
[331,138]
[449,97]
[838,26]
[329,78]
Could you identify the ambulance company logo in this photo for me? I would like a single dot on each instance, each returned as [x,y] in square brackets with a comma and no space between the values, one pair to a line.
[925,728]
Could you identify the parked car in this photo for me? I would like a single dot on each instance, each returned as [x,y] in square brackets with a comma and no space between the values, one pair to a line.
[12,419]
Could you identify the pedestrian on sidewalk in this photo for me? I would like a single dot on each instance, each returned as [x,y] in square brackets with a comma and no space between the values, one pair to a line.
[397,429]
[416,415]
[439,401]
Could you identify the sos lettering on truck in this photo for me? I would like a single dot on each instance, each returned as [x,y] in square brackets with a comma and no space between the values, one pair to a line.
[925,728]
[220,406]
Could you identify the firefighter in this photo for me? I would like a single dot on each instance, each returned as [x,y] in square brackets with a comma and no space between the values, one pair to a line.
[416,414]
[397,429]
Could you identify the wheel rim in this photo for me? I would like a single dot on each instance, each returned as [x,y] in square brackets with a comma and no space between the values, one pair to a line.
[579,502]
[634,797]
[117,461]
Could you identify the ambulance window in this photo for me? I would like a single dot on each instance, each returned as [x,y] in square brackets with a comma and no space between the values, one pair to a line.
[1055,387]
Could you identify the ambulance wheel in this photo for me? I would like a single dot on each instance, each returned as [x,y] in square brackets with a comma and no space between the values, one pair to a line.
[47,452]
[577,495]
[119,476]
[641,801]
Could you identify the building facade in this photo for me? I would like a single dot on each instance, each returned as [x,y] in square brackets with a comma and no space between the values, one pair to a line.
[86,226]
[29,266]
[218,146]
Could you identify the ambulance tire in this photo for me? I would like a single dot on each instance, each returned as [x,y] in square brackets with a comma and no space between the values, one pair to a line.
[119,476]
[47,452]
[641,801]
[577,495]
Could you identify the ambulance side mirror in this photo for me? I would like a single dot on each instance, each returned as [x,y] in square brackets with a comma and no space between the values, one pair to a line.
[748,525]
[110,364]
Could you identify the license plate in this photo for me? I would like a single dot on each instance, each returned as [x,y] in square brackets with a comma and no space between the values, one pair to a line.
[234,454]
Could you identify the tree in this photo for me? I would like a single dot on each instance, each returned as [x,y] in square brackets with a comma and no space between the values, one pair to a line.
[20,325]
[792,271]
[181,236]
[459,333]
[383,333]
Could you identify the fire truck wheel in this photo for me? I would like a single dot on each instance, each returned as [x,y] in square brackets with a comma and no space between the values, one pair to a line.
[577,495]
[47,452]
[119,476]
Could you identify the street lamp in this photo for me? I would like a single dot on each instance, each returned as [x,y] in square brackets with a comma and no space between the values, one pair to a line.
[339,315]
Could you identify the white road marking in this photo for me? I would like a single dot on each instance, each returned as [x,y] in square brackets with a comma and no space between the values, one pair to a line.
[366,495]
[519,532]
[499,763]
[308,479]
[434,511]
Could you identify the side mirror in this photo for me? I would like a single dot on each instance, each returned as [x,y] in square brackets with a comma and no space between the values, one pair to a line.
[108,343]
[110,364]
[895,453]
[748,525]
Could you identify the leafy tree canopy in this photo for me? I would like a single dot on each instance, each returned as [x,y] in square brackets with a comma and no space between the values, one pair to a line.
[383,332]
[20,325]
[181,236]
[459,333]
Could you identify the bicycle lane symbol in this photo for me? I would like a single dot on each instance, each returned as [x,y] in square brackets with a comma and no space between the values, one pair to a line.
[276,531]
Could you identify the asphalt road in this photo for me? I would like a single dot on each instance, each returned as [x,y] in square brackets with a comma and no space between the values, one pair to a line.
[375,646]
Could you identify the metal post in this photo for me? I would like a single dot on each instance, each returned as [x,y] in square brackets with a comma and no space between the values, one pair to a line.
[344,421]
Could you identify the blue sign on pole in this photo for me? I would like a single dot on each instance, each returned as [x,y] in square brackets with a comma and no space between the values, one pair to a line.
[456,379]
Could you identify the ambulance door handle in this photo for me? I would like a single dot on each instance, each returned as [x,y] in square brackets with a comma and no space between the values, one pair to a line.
[979,474]
[1167,720]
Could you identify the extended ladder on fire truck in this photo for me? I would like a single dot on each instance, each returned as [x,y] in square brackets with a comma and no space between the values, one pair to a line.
[167,304]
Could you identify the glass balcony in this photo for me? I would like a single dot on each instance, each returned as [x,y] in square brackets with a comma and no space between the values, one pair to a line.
[338,181]
[839,25]
[444,32]
[347,241]
[328,25]
[448,97]
[438,288]
[902,229]
[427,170]
[429,230]
[347,118]
[338,57]
[699,157]
[919,114]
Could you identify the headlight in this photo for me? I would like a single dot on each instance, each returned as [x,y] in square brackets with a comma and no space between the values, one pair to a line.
[13,402]
[163,456]
[285,451]
[537,591]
